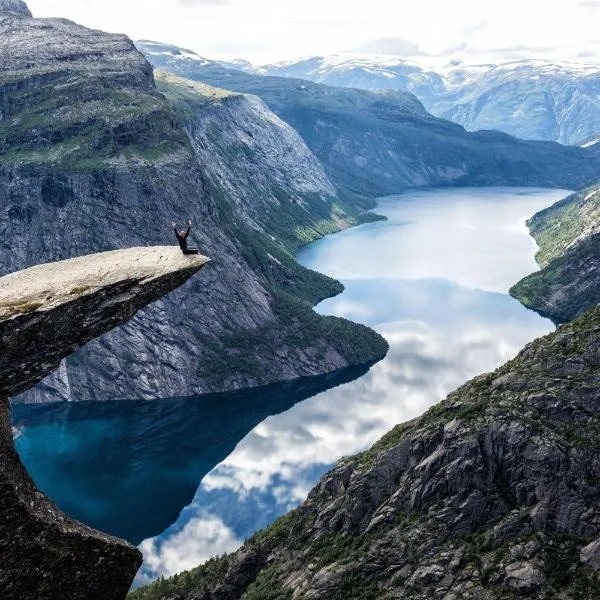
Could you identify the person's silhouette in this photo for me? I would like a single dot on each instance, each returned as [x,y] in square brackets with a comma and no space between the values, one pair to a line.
[182,238]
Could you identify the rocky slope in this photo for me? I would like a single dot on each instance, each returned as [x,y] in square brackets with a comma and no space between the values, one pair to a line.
[530,99]
[375,143]
[568,235]
[491,494]
[46,312]
[277,185]
[94,157]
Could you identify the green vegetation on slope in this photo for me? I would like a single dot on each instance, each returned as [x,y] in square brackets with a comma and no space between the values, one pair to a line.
[77,123]
[560,226]
[567,286]
[568,235]
[294,291]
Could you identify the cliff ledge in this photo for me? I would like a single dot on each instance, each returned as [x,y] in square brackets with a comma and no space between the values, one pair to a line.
[47,312]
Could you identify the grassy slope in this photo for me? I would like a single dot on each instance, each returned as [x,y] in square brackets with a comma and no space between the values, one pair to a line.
[75,121]
[568,235]
[560,226]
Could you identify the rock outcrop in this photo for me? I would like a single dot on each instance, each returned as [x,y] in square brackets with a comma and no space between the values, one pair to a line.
[46,312]
[568,235]
[13,8]
[49,311]
[93,156]
[493,493]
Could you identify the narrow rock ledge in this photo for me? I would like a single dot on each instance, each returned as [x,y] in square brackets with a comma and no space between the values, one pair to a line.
[47,312]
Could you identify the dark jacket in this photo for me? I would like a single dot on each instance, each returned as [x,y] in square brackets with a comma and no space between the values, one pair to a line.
[182,237]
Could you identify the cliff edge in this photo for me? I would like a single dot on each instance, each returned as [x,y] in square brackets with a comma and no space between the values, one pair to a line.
[47,312]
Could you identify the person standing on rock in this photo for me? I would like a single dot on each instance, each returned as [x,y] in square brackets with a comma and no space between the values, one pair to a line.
[182,237]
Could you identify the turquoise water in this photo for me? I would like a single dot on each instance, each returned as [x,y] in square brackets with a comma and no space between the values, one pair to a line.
[433,279]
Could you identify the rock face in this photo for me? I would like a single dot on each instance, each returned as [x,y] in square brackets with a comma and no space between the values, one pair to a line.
[491,494]
[49,311]
[14,7]
[568,235]
[93,156]
[376,143]
[46,312]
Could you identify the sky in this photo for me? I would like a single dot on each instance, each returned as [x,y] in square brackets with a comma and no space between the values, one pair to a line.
[270,30]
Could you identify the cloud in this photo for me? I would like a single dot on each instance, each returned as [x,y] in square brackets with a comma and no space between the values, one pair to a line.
[202,537]
[589,6]
[390,45]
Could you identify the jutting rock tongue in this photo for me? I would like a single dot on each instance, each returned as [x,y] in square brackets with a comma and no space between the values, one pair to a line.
[14,7]
[46,312]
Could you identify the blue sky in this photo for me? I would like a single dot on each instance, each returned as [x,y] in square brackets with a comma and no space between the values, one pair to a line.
[270,30]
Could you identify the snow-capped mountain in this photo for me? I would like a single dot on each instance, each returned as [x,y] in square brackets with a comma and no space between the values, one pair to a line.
[531,99]
[168,52]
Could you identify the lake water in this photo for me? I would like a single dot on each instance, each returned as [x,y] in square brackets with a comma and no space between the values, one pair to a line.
[432,279]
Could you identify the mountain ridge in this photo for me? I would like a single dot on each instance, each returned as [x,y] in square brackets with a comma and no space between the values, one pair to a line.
[528,98]
[378,143]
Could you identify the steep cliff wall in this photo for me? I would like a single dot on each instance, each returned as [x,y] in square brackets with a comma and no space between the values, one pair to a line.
[376,143]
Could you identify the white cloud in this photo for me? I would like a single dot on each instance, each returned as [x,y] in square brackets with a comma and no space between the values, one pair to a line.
[200,538]
[270,29]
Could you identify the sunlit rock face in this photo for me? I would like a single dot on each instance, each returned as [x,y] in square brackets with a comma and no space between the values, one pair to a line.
[46,312]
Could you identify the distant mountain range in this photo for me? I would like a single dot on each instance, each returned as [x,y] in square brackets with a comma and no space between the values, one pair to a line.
[373,143]
[530,99]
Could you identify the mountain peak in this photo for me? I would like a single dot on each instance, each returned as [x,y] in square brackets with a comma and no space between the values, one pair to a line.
[14,7]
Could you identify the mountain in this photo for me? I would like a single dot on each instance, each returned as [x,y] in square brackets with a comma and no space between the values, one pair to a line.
[490,494]
[94,157]
[530,99]
[376,143]
[568,235]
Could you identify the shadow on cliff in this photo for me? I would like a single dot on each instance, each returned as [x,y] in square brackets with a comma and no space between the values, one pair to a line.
[129,468]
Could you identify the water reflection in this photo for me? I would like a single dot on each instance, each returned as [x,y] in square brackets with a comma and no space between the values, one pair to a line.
[128,468]
[433,281]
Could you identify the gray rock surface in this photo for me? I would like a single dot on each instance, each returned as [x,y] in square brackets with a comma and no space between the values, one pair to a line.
[493,493]
[14,7]
[46,312]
